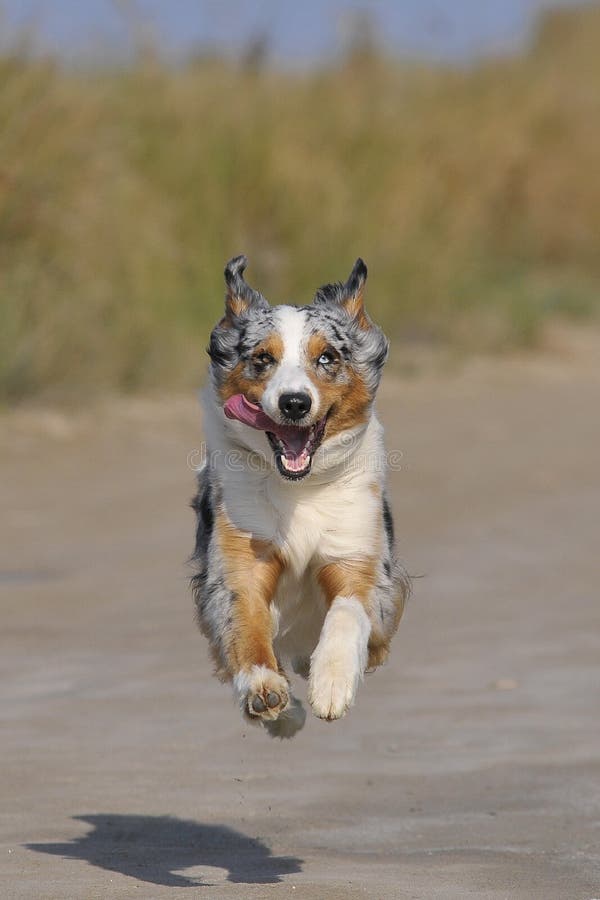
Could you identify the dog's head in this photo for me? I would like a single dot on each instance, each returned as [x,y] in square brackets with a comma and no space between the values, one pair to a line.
[300,379]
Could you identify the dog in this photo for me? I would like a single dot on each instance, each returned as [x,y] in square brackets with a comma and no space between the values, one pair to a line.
[294,558]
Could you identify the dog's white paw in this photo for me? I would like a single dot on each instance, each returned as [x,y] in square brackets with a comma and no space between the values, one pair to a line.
[339,660]
[262,693]
[331,690]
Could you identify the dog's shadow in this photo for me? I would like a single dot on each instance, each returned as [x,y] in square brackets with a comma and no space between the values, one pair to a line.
[155,848]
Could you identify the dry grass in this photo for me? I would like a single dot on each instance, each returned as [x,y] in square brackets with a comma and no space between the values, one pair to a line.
[473,195]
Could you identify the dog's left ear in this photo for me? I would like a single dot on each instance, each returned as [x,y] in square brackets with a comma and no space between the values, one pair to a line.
[348,295]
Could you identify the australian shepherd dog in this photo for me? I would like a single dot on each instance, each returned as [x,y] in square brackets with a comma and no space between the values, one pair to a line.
[294,557]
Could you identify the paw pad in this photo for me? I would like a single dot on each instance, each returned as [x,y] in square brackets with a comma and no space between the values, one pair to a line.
[267,696]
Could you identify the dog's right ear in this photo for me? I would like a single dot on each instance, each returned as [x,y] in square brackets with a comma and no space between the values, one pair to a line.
[239,296]
[348,295]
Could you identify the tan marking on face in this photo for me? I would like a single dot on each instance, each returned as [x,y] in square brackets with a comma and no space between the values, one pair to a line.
[252,385]
[348,400]
[317,344]
[252,568]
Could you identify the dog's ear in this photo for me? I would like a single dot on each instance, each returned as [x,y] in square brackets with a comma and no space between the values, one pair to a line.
[354,301]
[348,295]
[239,296]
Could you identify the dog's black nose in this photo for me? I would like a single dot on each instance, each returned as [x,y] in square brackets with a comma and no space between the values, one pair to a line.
[295,406]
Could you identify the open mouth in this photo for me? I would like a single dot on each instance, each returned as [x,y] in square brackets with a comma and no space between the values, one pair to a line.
[294,451]
[293,445]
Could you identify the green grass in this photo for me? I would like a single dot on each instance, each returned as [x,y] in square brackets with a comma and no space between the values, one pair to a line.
[473,194]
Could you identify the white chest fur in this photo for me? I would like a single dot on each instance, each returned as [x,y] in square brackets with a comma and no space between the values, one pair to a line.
[333,514]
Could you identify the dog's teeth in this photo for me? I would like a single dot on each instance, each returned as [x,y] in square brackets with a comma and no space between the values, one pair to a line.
[297,465]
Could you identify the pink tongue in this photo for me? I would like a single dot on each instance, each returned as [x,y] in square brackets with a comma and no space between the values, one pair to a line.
[294,438]
[237,407]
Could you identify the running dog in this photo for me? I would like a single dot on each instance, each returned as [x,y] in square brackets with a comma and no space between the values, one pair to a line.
[294,553]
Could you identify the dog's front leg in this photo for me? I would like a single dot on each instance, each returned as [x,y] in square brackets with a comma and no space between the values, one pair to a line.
[340,658]
[251,570]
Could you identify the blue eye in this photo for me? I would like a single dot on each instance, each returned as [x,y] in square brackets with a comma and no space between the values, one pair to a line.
[326,359]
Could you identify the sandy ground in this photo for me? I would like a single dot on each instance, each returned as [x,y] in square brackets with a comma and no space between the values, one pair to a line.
[470,766]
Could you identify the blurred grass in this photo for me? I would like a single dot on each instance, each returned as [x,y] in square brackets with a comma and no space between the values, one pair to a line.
[473,194]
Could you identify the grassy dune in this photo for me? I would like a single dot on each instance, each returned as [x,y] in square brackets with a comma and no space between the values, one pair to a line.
[474,196]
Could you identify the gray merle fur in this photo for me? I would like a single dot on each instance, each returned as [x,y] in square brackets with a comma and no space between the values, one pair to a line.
[214,601]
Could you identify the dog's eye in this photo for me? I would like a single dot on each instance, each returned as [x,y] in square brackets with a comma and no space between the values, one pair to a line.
[326,358]
[264,359]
